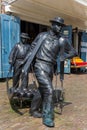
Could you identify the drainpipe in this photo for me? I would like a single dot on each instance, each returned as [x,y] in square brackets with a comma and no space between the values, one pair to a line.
[2,7]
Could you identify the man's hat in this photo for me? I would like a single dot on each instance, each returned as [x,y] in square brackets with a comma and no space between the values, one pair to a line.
[58,20]
[24,35]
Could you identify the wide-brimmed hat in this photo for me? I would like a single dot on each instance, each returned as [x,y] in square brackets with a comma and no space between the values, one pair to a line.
[58,20]
[24,35]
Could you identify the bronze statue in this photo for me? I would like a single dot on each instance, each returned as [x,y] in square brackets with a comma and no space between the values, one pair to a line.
[45,57]
[16,57]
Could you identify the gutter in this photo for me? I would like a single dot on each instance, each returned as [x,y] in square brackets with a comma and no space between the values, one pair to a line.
[5,5]
[5,2]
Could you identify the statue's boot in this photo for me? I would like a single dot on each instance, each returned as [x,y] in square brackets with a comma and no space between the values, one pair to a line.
[35,105]
[48,113]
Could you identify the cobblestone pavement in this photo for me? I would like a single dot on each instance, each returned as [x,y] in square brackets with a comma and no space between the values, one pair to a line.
[74,115]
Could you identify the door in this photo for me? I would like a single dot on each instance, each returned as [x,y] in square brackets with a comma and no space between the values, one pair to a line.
[84,47]
[0,50]
[10,31]
[67,32]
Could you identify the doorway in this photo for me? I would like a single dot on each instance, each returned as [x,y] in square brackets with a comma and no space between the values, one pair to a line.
[32,29]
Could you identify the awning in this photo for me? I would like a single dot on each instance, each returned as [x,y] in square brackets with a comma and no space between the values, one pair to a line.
[41,11]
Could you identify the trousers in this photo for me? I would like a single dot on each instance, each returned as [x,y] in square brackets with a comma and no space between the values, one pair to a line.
[44,75]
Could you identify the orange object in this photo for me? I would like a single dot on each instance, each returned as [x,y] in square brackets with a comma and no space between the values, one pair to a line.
[77,62]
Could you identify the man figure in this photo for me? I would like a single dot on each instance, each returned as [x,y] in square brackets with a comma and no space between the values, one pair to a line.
[52,45]
[16,57]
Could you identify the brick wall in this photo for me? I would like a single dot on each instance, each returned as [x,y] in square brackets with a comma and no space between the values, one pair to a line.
[0,6]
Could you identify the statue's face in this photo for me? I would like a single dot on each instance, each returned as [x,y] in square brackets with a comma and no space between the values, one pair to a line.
[56,28]
[24,40]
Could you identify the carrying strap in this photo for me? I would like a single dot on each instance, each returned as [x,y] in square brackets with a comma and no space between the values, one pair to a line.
[7,79]
[31,57]
[10,93]
[61,88]
[34,80]
[61,70]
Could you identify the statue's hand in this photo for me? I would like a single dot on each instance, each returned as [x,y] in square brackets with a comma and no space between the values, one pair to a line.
[10,62]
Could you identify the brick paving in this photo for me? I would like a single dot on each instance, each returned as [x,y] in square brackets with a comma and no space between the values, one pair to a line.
[74,116]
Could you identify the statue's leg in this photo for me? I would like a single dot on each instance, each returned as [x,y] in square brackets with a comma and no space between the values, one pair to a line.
[45,83]
[16,77]
[24,81]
